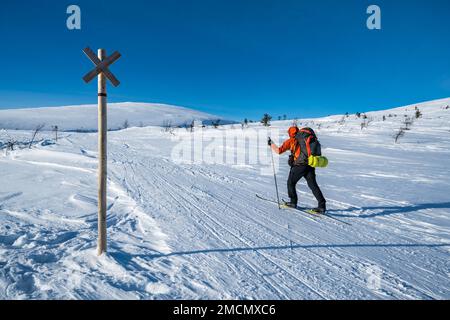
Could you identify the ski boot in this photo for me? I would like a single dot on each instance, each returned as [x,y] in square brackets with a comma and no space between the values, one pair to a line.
[290,205]
[319,210]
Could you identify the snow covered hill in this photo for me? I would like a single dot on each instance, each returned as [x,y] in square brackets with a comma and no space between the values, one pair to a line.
[120,115]
[184,221]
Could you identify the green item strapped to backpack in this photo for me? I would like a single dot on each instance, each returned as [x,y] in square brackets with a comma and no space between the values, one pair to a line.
[310,148]
[318,161]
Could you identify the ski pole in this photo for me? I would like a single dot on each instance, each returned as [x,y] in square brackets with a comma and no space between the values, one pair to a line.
[275,178]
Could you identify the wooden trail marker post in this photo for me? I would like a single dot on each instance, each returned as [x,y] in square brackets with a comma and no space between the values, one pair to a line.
[102,62]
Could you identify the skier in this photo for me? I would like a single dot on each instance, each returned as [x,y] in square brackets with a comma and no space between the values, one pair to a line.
[298,160]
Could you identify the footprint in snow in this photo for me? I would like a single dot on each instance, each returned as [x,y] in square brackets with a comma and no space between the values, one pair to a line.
[45,257]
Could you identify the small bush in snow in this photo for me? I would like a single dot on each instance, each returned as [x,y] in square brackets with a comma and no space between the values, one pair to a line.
[399,134]
[6,140]
[36,131]
[366,122]
[408,122]
[167,126]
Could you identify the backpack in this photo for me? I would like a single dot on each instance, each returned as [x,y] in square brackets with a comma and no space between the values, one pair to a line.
[310,149]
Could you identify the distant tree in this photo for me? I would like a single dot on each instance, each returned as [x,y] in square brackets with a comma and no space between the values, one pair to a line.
[266,120]
[284,117]
[384,118]
[418,114]
[245,123]
[279,118]
[125,124]
[358,114]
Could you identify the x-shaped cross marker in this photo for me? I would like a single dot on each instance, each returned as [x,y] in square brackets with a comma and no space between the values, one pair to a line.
[101,66]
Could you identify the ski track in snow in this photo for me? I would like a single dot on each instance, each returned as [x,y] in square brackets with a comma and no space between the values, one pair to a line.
[182,231]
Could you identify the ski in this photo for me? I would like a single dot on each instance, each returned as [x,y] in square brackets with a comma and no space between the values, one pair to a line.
[311,216]
[310,211]
[305,210]
[329,216]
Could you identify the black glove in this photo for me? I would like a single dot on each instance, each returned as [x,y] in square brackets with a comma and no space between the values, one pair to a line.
[269,142]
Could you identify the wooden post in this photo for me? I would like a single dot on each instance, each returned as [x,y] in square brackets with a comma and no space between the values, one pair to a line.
[56,133]
[102,62]
[102,157]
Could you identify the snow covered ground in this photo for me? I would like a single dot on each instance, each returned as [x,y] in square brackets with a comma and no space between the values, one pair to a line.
[194,229]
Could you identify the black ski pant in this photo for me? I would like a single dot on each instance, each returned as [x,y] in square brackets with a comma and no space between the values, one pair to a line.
[298,172]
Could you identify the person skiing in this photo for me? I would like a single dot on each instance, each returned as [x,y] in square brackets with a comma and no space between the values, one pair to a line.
[298,160]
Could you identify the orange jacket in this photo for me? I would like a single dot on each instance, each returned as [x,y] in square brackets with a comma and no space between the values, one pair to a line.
[290,144]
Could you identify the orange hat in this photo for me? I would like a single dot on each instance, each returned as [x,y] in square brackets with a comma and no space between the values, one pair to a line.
[293,131]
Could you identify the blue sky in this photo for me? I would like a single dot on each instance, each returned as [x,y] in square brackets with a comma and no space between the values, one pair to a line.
[234,58]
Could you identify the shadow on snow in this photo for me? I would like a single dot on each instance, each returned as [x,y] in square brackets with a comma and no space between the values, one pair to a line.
[387,211]
[296,246]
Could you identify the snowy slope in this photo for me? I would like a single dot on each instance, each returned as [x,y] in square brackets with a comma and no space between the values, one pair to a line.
[196,230]
[84,117]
